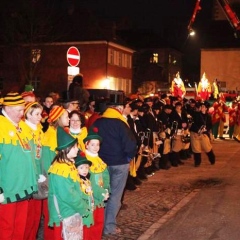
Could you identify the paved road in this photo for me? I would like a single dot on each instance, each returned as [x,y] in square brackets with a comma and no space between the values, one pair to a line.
[214,213]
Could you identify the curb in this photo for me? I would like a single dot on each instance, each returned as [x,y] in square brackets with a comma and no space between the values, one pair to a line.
[155,227]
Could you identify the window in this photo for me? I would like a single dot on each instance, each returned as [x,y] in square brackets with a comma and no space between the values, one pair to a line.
[154,58]
[110,56]
[129,61]
[120,59]
[36,54]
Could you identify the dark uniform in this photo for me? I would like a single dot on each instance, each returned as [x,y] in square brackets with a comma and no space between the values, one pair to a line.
[200,136]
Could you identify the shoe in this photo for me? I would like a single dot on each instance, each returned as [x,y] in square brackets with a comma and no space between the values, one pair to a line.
[222,138]
[142,177]
[137,181]
[116,231]
[151,174]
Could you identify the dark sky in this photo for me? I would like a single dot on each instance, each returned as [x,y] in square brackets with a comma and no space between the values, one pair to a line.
[150,13]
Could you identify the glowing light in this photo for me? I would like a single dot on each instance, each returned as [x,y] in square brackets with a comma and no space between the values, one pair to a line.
[106,83]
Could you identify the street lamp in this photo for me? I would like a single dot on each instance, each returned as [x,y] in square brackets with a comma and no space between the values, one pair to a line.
[191,32]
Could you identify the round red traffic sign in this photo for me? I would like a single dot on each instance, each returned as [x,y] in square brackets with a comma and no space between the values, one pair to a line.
[73,56]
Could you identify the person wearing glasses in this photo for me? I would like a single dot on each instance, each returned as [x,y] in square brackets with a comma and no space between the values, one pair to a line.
[77,127]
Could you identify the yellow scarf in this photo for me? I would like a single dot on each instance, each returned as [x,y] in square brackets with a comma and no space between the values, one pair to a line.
[114,113]
[65,170]
[98,166]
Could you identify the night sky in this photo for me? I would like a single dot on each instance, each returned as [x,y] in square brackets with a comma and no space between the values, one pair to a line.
[169,19]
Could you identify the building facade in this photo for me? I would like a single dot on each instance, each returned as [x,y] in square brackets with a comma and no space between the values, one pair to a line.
[104,65]
[154,69]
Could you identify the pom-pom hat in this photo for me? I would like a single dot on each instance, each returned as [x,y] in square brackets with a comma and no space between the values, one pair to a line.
[55,113]
[64,140]
[81,159]
[13,99]
[92,134]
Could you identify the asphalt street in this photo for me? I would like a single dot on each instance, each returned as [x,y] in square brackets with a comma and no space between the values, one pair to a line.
[214,213]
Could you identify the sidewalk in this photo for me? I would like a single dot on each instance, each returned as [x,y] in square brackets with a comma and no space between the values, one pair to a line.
[168,191]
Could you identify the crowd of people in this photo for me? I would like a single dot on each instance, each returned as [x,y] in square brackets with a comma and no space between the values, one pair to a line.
[90,151]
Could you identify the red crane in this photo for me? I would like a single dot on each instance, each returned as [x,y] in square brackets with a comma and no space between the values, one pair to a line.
[229,13]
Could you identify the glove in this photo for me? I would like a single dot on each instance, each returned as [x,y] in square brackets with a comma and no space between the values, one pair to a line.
[105,195]
[159,142]
[2,198]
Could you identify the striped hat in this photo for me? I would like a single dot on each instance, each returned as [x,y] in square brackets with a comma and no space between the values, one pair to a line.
[28,106]
[55,113]
[13,99]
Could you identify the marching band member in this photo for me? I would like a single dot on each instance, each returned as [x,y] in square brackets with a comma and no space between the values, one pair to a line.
[179,122]
[200,135]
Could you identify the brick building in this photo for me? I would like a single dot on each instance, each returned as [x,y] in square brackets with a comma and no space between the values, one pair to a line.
[104,65]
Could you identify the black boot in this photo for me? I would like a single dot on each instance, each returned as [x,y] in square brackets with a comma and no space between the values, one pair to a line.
[211,157]
[183,155]
[130,184]
[164,162]
[174,159]
[197,159]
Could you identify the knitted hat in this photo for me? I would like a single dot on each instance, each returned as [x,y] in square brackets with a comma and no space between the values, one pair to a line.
[28,106]
[92,134]
[64,139]
[28,88]
[55,113]
[13,99]
[81,159]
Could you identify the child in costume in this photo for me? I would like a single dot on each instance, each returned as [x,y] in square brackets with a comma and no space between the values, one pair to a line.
[58,117]
[100,181]
[64,184]
[32,116]
[83,165]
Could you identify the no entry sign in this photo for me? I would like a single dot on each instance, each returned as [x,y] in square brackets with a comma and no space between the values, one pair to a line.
[73,56]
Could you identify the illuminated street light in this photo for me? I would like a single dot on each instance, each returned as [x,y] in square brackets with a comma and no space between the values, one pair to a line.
[191,32]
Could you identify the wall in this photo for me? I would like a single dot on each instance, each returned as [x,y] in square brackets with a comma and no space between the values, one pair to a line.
[222,64]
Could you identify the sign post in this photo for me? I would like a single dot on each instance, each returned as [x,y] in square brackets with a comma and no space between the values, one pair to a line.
[73,59]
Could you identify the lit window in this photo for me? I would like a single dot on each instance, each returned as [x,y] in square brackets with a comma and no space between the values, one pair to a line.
[36,54]
[155,57]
